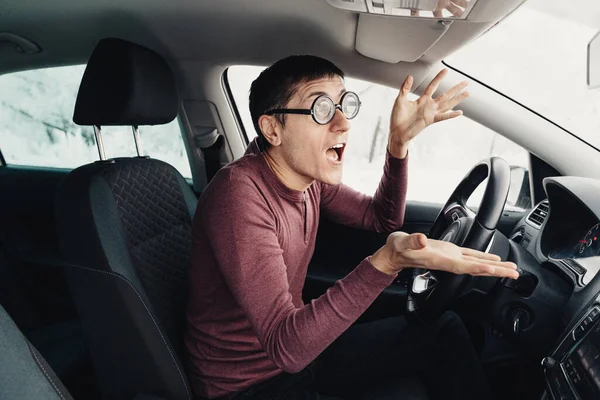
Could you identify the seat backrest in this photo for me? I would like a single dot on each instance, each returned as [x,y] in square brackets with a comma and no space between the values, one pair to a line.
[125,227]
[24,374]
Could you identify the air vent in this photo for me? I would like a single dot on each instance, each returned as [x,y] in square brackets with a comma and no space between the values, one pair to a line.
[537,217]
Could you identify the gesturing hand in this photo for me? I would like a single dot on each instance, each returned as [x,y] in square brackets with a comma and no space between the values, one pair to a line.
[409,118]
[454,6]
[416,251]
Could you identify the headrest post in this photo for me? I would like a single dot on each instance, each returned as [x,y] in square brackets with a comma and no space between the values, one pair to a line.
[138,141]
[99,142]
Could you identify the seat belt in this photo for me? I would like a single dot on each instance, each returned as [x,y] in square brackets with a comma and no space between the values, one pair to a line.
[212,157]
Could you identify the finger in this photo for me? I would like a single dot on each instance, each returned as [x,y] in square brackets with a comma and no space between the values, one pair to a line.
[479,254]
[406,86]
[450,93]
[461,3]
[416,241]
[498,272]
[414,13]
[457,12]
[421,240]
[487,269]
[437,13]
[496,275]
[447,115]
[450,104]
[435,83]
[503,264]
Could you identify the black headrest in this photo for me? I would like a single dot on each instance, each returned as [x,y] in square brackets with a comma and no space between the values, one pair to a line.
[126,84]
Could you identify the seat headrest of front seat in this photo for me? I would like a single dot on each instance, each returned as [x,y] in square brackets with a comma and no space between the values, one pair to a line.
[126,84]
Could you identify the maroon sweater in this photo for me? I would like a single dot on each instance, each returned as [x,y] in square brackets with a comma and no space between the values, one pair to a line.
[252,242]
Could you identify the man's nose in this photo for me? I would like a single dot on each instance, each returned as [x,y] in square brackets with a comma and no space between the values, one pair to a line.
[339,123]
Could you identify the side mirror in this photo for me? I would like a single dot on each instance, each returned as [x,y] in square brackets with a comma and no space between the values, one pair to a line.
[593,62]
[519,194]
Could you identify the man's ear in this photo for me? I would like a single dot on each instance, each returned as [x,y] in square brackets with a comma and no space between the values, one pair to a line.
[270,129]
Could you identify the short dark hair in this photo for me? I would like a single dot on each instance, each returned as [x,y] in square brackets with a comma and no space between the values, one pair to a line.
[276,85]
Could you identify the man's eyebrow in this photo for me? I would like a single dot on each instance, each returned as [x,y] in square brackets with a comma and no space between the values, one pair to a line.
[321,93]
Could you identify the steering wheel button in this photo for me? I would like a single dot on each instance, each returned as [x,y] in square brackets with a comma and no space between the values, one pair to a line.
[548,362]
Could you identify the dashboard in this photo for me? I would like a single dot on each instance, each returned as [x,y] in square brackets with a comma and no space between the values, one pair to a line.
[582,246]
[572,227]
[563,231]
[563,234]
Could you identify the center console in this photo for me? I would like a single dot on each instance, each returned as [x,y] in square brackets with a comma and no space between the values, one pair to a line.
[573,369]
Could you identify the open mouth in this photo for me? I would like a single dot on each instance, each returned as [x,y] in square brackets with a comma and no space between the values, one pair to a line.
[336,152]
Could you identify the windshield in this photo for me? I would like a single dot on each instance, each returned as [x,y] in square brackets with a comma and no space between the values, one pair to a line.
[537,56]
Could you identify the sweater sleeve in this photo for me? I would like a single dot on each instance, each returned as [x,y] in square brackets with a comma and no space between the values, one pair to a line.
[243,236]
[383,212]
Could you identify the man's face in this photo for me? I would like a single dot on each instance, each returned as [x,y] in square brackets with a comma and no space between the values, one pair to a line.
[313,151]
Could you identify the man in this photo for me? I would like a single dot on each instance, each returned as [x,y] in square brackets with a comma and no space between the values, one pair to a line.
[249,335]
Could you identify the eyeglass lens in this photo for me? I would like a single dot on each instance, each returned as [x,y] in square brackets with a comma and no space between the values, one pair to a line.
[324,108]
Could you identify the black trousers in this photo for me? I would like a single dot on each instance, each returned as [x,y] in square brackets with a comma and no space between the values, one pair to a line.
[369,360]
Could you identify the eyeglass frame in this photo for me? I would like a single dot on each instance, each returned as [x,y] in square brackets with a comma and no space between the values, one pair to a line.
[310,111]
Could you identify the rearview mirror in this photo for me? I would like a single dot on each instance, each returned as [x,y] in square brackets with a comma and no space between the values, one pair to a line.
[593,62]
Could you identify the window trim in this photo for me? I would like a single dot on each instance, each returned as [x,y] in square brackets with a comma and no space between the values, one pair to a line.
[233,106]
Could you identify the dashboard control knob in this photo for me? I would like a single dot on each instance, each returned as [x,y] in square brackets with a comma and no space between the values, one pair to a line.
[548,362]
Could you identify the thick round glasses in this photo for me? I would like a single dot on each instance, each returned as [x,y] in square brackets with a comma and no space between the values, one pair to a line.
[323,108]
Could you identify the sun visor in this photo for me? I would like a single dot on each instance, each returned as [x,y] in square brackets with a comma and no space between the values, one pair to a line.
[404,30]
[397,39]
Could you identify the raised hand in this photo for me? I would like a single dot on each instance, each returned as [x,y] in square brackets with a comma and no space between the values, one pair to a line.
[417,251]
[409,118]
[453,6]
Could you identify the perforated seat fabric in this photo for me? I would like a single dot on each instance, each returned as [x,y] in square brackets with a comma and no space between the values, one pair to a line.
[156,219]
[125,227]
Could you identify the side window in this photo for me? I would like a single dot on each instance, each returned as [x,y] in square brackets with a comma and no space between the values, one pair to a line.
[439,157]
[240,77]
[36,126]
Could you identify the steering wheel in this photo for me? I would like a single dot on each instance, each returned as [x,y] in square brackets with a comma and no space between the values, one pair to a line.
[432,291]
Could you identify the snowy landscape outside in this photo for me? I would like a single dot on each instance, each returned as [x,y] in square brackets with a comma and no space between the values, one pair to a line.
[37,128]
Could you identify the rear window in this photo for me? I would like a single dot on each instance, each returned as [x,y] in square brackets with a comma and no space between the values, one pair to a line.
[37,128]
